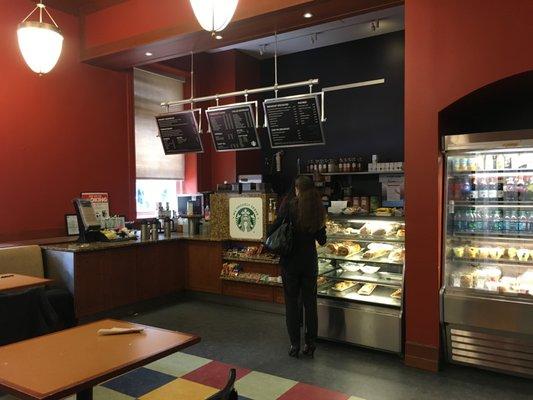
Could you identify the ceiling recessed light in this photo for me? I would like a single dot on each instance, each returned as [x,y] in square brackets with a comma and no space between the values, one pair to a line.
[218,37]
[148,54]
[308,15]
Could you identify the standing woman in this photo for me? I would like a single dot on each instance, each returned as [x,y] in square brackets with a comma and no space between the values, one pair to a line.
[300,268]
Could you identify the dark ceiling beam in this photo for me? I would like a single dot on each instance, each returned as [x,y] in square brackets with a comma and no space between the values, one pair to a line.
[80,7]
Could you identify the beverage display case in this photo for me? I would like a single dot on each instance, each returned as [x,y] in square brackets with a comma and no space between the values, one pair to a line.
[487,294]
[360,282]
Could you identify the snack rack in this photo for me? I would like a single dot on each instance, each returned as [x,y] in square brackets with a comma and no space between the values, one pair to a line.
[487,293]
[360,281]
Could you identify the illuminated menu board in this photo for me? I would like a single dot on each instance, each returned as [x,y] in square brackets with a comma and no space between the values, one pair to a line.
[179,133]
[233,127]
[294,121]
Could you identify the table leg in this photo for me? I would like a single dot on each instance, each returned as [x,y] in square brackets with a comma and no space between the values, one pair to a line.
[86,394]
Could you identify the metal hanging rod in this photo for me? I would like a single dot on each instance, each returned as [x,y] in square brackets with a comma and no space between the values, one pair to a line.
[310,82]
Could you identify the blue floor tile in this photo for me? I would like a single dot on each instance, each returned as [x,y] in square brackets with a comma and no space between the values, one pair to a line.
[139,382]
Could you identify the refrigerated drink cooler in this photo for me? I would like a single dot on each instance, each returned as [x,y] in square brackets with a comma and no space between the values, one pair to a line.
[487,293]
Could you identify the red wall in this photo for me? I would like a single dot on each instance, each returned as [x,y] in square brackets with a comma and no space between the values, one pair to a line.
[61,134]
[452,48]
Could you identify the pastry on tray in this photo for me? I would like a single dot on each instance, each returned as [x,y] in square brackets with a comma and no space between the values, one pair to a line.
[367,289]
[342,286]
[372,254]
[397,294]
[471,252]
[523,254]
[348,248]
[331,248]
[400,233]
[397,255]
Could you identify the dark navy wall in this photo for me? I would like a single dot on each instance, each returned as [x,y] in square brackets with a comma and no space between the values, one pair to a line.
[362,121]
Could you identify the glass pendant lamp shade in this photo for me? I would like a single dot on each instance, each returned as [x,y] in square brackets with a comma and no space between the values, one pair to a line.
[214,15]
[40,44]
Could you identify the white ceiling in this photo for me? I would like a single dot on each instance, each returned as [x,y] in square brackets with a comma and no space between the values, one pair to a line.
[344,30]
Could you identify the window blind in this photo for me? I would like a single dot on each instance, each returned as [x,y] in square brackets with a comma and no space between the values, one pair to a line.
[151,162]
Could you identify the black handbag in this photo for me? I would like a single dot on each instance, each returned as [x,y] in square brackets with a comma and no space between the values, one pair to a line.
[281,240]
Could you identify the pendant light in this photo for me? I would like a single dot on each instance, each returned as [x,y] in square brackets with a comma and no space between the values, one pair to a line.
[214,15]
[39,42]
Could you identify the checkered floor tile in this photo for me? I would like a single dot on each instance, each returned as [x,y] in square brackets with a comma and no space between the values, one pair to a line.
[187,377]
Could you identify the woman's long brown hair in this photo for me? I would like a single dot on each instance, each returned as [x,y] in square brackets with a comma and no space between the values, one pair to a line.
[310,212]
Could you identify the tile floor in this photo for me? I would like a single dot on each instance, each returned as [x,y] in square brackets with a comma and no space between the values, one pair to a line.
[187,377]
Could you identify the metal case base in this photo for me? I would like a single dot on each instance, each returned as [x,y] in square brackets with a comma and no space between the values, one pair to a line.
[489,333]
[369,326]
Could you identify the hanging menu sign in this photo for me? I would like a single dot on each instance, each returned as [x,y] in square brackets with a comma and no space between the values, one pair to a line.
[294,121]
[179,133]
[233,127]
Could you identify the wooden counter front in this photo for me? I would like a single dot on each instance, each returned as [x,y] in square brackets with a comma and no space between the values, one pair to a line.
[106,279]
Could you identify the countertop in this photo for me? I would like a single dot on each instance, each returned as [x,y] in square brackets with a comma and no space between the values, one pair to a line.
[74,247]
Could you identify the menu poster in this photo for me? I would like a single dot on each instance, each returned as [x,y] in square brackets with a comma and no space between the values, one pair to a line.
[233,127]
[179,133]
[294,121]
[100,201]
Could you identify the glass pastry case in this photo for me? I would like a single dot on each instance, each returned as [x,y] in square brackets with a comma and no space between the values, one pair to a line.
[360,281]
[487,294]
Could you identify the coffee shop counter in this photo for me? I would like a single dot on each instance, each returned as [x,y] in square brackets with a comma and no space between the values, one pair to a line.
[103,276]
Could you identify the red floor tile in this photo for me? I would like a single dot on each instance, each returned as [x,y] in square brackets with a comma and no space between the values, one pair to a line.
[308,392]
[214,374]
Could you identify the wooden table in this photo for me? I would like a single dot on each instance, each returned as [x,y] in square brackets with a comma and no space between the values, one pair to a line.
[12,282]
[74,360]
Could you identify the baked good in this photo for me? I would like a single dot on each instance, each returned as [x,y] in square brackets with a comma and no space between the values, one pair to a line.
[342,286]
[331,248]
[400,233]
[471,252]
[523,254]
[459,251]
[397,294]
[367,289]
[496,252]
[397,255]
[467,280]
[484,252]
[511,253]
[321,280]
[377,253]
[379,232]
[347,248]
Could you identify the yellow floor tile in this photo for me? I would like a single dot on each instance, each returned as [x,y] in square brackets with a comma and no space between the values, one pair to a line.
[180,389]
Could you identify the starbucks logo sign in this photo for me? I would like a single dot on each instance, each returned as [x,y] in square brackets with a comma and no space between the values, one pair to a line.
[246,218]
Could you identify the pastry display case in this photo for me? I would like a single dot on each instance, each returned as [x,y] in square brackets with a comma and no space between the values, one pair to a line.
[487,294]
[360,281]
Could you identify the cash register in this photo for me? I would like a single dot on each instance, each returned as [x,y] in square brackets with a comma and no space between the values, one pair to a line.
[88,224]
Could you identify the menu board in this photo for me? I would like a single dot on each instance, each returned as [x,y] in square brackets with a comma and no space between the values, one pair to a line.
[233,127]
[294,121]
[179,133]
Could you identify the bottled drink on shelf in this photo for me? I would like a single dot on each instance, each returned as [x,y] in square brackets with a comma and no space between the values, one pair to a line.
[500,162]
[478,221]
[470,164]
[485,218]
[500,188]
[492,193]
[510,189]
[508,161]
[483,189]
[458,221]
[522,222]
[513,222]
[474,194]
[466,189]
[530,222]
[506,221]
[480,162]
[520,189]
[496,222]
[470,220]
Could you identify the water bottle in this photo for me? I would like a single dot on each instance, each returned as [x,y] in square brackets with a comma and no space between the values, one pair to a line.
[497,223]
[522,222]
[478,218]
[486,221]
[507,222]
[470,221]
[513,224]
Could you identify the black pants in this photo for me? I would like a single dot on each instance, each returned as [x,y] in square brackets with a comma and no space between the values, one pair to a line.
[300,290]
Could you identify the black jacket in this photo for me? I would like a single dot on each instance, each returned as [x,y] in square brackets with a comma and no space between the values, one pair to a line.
[303,257]
[24,315]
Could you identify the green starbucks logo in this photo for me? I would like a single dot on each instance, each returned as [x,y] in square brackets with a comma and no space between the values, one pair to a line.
[246,218]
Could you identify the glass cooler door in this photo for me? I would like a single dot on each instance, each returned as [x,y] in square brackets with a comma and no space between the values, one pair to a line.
[488,247]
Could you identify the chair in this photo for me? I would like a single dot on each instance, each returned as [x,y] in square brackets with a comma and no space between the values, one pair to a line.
[229,392]
[28,260]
